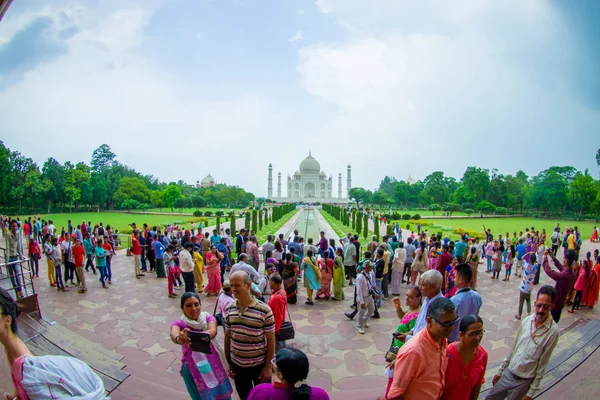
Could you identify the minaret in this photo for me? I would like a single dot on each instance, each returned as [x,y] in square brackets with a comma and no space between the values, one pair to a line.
[279,185]
[270,183]
[349,182]
[340,186]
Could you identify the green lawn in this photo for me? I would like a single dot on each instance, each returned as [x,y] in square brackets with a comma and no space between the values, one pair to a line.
[191,210]
[342,230]
[425,213]
[119,221]
[502,225]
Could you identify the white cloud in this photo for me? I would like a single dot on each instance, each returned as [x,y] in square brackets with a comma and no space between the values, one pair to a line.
[299,11]
[324,6]
[199,35]
[297,36]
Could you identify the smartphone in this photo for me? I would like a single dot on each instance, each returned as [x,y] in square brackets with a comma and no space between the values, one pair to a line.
[200,342]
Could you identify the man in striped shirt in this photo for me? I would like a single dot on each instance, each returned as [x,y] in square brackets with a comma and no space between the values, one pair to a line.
[249,336]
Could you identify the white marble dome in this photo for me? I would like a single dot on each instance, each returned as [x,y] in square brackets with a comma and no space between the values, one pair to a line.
[310,165]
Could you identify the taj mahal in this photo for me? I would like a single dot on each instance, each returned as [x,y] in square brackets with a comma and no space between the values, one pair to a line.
[309,184]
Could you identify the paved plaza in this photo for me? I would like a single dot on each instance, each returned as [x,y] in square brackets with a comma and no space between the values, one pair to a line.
[133,317]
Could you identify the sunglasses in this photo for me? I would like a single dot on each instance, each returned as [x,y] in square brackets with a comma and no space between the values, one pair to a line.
[447,324]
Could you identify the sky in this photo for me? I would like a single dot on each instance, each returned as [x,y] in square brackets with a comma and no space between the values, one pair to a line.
[181,88]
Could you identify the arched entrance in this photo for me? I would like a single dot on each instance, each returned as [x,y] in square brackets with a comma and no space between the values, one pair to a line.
[309,190]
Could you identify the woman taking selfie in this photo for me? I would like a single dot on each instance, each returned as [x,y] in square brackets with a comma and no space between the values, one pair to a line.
[203,374]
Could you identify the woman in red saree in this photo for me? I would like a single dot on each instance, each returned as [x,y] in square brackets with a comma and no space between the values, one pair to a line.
[590,294]
[326,265]
[213,270]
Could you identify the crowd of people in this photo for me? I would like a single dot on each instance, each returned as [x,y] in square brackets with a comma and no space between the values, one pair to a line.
[435,352]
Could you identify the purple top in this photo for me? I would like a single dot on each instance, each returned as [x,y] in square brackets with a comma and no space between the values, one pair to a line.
[323,244]
[564,278]
[278,391]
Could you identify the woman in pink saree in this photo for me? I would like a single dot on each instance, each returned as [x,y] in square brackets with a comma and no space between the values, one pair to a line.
[326,265]
[213,270]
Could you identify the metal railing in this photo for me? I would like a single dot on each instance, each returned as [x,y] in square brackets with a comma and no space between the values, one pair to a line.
[16,277]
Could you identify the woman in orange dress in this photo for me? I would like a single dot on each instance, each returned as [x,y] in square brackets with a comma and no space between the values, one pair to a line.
[326,265]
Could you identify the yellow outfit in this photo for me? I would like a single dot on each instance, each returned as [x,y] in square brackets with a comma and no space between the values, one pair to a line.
[198,269]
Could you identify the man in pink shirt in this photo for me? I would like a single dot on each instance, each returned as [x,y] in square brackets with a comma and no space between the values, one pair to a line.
[421,363]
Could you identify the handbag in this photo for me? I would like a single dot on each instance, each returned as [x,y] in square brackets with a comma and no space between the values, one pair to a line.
[391,353]
[218,316]
[286,331]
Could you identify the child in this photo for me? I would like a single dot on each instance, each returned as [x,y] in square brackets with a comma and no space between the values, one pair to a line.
[510,256]
[530,269]
[57,258]
[172,271]
[497,260]
[451,288]
[35,254]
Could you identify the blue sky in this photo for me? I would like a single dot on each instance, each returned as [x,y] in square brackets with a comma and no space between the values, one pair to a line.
[182,88]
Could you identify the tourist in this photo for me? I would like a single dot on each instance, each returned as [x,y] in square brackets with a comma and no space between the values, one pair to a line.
[312,276]
[564,278]
[249,337]
[252,251]
[100,254]
[205,243]
[136,249]
[497,259]
[510,255]
[489,253]
[264,289]
[460,249]
[243,265]
[278,305]
[14,248]
[173,271]
[48,251]
[110,252]
[290,278]
[582,283]
[467,361]
[186,263]
[228,245]
[239,240]
[520,374]
[365,292]
[467,300]
[311,246]
[89,252]
[373,244]
[449,279]
[159,254]
[291,368]
[338,275]
[215,238]
[268,245]
[410,254]
[198,268]
[378,266]
[430,285]
[67,258]
[421,363]
[323,244]
[521,250]
[224,299]
[35,253]
[444,260]
[350,259]
[203,374]
[420,263]
[78,257]
[529,272]
[212,262]
[225,264]
[57,257]
[278,254]
[398,266]
[42,377]
[327,266]
[407,322]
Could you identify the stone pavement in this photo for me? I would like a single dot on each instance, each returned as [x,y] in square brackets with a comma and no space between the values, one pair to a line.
[133,317]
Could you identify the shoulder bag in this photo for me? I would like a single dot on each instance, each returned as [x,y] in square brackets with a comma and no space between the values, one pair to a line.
[286,331]
[218,315]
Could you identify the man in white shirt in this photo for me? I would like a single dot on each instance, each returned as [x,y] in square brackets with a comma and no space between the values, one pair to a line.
[186,263]
[521,372]
[398,268]
[364,296]
[268,246]
[350,260]
[247,268]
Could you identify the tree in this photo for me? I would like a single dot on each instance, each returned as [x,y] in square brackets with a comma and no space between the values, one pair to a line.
[402,193]
[549,191]
[359,195]
[582,192]
[476,182]
[130,204]
[358,217]
[181,203]
[434,207]
[197,201]
[102,158]
[376,227]
[485,207]
[365,225]
[451,208]
[381,198]
[260,219]
[156,198]
[436,188]
[255,220]
[232,225]
[132,188]
[170,195]
[387,185]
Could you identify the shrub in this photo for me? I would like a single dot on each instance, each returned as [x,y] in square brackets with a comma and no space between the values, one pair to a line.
[417,216]
[406,217]
[423,223]
[439,235]
[197,213]
[128,230]
[469,211]
[485,206]
[472,234]
[208,213]
[220,213]
[501,210]
[408,227]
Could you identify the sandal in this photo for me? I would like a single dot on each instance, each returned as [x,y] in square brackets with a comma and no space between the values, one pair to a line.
[310,303]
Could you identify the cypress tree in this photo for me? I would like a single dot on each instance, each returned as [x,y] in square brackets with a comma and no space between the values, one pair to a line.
[358,218]
[376,227]
[247,221]
[365,225]
[218,225]
[232,223]
[260,219]
[255,220]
